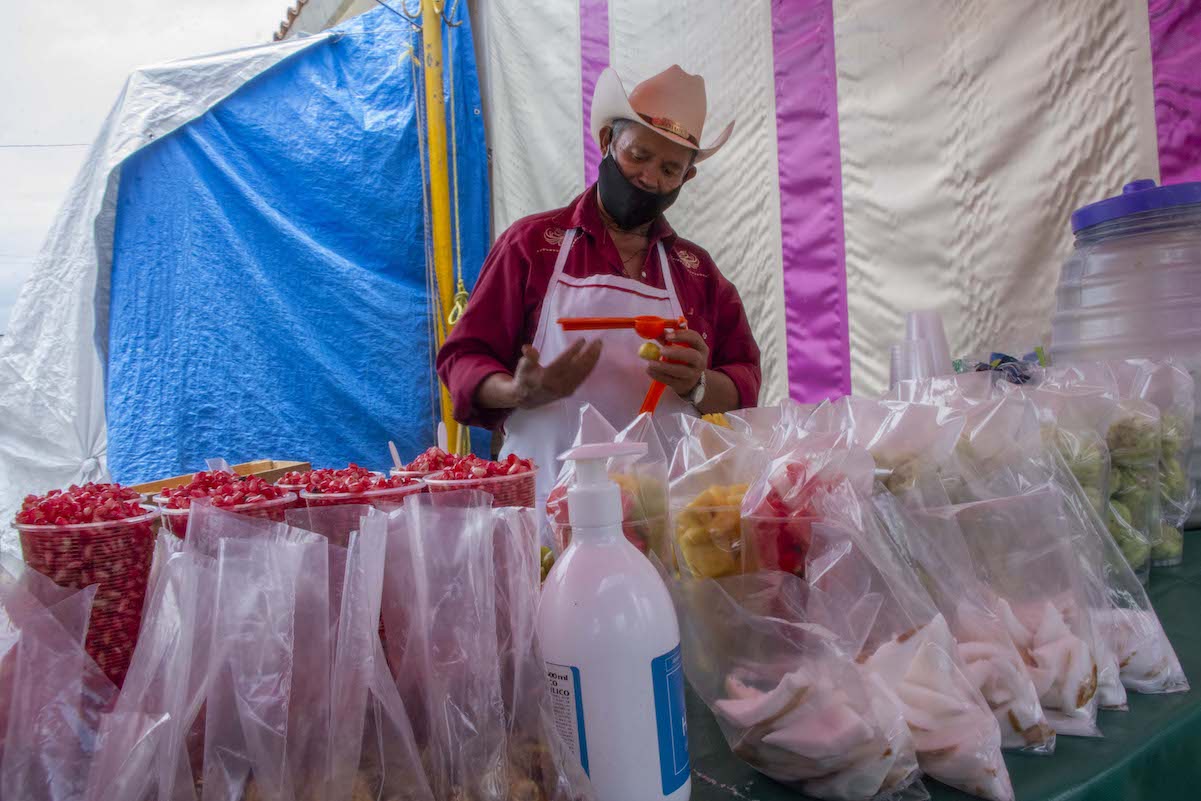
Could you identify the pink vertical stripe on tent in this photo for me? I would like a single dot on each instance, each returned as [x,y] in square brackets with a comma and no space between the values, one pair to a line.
[594,57]
[811,224]
[1176,63]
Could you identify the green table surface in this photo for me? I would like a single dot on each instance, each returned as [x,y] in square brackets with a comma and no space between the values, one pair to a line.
[1150,753]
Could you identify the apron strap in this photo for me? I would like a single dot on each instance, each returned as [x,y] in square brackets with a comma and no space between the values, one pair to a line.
[553,287]
[668,283]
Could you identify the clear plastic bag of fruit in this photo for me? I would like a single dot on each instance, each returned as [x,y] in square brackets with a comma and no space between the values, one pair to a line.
[897,633]
[904,439]
[711,470]
[1133,437]
[52,695]
[788,699]
[911,443]
[1024,549]
[1168,386]
[642,480]
[460,594]
[780,508]
[935,547]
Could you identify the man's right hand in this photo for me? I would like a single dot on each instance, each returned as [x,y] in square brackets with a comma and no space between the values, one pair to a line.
[537,385]
[534,384]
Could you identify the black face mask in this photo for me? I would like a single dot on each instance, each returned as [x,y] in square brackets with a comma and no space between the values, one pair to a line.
[629,206]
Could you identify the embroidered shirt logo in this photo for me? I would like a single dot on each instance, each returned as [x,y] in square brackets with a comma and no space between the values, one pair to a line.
[691,261]
[554,235]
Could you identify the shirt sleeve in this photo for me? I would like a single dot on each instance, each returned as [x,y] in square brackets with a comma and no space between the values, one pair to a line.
[734,351]
[488,337]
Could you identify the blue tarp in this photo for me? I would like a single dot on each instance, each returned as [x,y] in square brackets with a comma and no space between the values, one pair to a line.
[268,286]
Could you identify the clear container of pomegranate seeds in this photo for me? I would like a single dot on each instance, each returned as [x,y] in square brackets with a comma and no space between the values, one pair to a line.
[394,473]
[115,554]
[514,490]
[274,509]
[375,497]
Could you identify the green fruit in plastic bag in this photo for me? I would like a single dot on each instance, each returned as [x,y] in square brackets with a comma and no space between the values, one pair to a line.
[1133,439]
[1130,542]
[1173,483]
[1174,438]
[1170,547]
[1115,481]
[1093,495]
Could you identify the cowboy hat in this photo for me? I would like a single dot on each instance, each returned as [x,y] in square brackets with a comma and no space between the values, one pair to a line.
[672,104]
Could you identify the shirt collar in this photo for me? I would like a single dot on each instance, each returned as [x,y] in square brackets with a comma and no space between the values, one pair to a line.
[584,213]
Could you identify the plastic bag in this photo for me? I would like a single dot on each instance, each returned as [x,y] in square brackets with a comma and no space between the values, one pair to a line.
[151,745]
[1170,388]
[52,695]
[789,702]
[936,549]
[711,470]
[1133,437]
[898,635]
[1022,547]
[460,589]
[780,508]
[642,480]
[904,439]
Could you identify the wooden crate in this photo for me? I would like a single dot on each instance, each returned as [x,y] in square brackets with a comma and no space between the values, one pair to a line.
[270,470]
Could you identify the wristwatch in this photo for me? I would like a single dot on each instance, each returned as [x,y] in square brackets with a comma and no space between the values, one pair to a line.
[698,392]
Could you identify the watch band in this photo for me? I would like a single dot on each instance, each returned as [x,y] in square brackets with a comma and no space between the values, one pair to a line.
[698,392]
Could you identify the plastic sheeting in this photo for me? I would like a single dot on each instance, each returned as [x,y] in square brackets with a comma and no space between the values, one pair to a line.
[269,284]
[52,430]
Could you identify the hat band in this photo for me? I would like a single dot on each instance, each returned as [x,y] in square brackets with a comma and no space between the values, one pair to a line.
[671,126]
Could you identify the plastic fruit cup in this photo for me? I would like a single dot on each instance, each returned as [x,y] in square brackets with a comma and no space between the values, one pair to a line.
[176,520]
[115,554]
[515,490]
[377,497]
[410,473]
[295,489]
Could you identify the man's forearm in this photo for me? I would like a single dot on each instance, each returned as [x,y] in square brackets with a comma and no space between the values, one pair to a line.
[497,391]
[721,394]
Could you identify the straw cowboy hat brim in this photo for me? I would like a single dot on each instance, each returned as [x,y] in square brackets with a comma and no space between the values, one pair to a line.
[672,104]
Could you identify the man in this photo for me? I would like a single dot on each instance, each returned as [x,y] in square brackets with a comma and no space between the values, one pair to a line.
[608,254]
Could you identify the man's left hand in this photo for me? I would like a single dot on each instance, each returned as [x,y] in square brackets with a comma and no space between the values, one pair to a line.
[690,353]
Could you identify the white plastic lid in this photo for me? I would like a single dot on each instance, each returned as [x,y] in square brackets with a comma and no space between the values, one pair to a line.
[595,501]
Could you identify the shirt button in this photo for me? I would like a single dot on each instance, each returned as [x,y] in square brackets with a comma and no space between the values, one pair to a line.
[644,273]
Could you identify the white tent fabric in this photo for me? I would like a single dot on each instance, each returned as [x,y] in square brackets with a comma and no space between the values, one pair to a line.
[969,134]
[52,384]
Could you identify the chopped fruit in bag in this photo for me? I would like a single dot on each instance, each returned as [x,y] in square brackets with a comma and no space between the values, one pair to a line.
[709,531]
[225,490]
[778,530]
[91,503]
[546,560]
[717,420]
[431,461]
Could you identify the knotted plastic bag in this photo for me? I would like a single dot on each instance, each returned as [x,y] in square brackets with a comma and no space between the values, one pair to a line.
[789,701]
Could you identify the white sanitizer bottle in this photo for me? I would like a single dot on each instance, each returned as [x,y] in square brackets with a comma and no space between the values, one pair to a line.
[611,642]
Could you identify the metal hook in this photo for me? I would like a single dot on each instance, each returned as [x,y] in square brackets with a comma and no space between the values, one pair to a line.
[446,17]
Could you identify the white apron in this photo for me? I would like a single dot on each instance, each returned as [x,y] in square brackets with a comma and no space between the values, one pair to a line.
[618,384]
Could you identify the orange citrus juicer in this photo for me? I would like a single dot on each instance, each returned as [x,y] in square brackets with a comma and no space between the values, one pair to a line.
[645,327]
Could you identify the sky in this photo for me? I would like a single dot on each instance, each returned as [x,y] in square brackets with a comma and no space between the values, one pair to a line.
[64,63]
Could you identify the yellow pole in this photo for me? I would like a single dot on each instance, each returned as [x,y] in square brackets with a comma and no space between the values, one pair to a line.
[435,108]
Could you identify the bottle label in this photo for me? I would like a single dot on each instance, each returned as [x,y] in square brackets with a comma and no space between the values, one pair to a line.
[567,706]
[667,673]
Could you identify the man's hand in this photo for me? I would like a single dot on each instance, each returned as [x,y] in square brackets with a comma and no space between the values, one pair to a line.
[689,349]
[536,385]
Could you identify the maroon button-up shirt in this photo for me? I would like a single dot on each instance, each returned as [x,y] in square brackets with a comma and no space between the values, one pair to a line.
[502,314]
